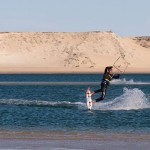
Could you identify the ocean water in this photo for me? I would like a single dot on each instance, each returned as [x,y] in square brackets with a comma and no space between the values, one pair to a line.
[57,103]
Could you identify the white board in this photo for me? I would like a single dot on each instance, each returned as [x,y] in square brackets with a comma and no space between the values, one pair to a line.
[88,99]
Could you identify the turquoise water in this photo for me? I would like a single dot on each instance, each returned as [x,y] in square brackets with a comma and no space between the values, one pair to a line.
[56,102]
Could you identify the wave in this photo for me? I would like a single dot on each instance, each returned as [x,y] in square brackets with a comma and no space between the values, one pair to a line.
[131,99]
[116,82]
[49,83]
[20,102]
[129,82]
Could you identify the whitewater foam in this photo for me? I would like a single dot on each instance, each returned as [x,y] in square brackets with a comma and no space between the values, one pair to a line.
[38,102]
[116,81]
[130,99]
[129,82]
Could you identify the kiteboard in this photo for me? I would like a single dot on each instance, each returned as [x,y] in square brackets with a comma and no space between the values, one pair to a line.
[88,99]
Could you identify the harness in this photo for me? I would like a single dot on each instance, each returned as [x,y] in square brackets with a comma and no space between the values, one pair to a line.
[107,77]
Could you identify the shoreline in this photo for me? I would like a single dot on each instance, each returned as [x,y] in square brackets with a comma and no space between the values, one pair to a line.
[67,141]
[72,135]
[61,70]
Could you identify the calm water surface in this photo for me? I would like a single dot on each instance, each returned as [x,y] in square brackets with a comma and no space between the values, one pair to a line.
[56,102]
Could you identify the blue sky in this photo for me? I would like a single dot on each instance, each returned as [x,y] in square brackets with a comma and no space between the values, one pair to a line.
[124,17]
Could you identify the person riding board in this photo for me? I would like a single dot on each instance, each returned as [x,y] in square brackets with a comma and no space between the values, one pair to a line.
[107,77]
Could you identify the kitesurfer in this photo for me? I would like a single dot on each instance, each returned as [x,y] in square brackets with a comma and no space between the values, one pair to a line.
[107,77]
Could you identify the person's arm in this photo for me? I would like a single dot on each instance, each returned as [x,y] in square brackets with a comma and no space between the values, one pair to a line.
[116,76]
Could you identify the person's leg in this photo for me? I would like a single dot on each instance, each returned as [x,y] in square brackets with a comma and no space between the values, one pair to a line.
[96,91]
[103,90]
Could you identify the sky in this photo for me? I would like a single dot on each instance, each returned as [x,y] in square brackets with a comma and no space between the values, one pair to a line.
[123,17]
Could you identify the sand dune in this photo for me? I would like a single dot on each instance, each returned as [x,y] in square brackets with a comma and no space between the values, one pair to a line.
[49,52]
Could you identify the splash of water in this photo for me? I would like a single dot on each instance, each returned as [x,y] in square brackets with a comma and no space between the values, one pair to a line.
[130,99]
[131,82]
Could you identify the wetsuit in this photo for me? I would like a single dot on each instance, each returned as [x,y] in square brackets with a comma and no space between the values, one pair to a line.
[107,77]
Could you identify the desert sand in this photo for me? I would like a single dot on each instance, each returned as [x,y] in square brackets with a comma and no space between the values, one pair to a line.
[80,52]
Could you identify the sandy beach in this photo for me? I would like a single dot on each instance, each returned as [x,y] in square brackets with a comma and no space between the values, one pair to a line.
[74,52]
[63,141]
